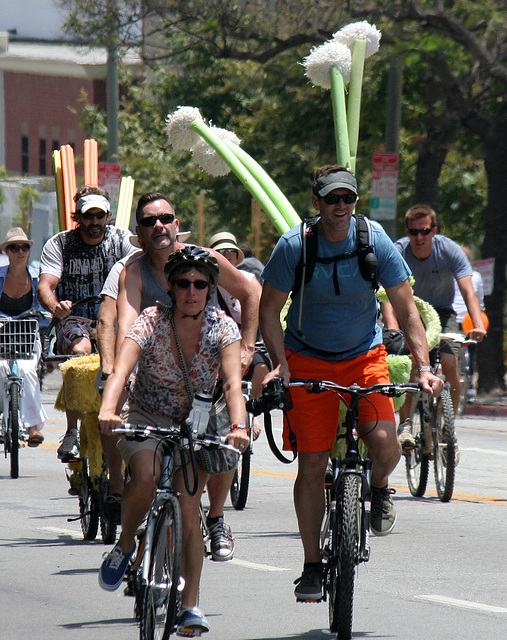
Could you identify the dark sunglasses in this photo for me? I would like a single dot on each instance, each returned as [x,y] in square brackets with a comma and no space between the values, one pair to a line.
[183,283]
[100,215]
[165,218]
[15,248]
[334,198]
[416,232]
[231,251]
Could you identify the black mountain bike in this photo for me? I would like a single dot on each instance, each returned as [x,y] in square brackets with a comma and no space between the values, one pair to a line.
[435,437]
[154,573]
[345,530]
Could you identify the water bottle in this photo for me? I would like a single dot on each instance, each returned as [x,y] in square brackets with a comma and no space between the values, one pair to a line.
[199,413]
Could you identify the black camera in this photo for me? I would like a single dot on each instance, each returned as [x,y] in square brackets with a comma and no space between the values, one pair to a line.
[274,396]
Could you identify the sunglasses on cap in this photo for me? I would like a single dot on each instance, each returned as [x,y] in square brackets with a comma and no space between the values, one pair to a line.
[183,283]
[164,218]
[334,198]
[416,232]
[15,248]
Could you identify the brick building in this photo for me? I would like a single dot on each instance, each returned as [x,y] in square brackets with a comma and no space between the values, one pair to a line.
[41,88]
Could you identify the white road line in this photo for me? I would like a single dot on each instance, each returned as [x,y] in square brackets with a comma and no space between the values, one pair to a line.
[463,604]
[490,452]
[254,565]
[63,532]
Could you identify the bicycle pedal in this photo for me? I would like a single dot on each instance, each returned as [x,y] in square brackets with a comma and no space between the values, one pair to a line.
[310,601]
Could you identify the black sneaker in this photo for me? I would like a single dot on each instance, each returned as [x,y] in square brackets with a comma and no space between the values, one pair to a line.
[112,508]
[221,540]
[383,512]
[310,586]
[69,448]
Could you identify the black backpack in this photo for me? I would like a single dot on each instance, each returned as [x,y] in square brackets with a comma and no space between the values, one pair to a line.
[368,262]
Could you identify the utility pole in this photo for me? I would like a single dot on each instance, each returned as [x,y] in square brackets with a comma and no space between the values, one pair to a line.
[112,102]
[393,119]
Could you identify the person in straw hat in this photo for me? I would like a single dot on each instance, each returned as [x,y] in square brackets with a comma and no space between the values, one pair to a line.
[18,293]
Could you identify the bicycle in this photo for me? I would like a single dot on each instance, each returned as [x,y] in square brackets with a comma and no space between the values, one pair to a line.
[87,474]
[433,431]
[345,529]
[18,341]
[466,371]
[241,481]
[154,573]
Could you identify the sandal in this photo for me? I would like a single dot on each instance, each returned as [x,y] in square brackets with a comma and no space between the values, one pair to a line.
[35,440]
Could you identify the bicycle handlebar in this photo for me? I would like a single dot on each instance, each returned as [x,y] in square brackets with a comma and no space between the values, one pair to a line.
[458,337]
[390,389]
[174,434]
[274,396]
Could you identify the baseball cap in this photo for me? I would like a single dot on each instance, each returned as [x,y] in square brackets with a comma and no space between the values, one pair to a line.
[336,180]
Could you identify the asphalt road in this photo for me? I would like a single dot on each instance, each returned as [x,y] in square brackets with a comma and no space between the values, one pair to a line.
[441,574]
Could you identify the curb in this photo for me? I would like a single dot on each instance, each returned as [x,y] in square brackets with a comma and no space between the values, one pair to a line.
[493,410]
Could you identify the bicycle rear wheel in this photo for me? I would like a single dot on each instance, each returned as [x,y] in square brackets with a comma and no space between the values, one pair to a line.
[417,462]
[444,444]
[241,480]
[88,505]
[343,557]
[107,521]
[161,595]
[13,430]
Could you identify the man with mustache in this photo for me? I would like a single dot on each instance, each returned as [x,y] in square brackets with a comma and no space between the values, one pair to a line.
[74,265]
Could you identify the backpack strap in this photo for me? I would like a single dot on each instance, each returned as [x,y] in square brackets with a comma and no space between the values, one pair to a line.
[368,261]
[309,247]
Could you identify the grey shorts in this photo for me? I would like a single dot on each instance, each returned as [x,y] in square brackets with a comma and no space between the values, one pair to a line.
[72,328]
[135,415]
[449,325]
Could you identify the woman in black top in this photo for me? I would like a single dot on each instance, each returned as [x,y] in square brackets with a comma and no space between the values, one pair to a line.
[18,293]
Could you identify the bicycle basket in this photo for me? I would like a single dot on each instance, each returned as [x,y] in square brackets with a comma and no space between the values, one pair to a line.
[18,338]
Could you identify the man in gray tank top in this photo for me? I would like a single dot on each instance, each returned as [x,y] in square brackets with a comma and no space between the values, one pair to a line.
[143,282]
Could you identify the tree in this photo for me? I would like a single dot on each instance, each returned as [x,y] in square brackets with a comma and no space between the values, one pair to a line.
[469,80]
[237,63]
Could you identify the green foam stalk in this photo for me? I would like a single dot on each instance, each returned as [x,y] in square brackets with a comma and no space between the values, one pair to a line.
[340,117]
[243,174]
[267,183]
[354,99]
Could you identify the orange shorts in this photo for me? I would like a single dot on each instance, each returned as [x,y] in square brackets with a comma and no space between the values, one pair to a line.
[313,420]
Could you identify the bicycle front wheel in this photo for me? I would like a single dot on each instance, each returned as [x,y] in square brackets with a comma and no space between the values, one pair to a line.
[343,557]
[444,445]
[13,430]
[161,595]
[417,462]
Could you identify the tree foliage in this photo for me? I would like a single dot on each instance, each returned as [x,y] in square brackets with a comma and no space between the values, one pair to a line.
[238,63]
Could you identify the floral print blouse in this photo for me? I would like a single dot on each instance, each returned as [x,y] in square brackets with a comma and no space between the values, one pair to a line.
[159,385]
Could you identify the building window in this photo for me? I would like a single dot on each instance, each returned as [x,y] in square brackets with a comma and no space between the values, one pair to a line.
[24,154]
[42,157]
[56,145]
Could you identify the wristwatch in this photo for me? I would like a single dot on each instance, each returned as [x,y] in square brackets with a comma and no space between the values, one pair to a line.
[425,368]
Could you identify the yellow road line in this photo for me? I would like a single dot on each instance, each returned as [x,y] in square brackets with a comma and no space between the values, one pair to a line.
[457,497]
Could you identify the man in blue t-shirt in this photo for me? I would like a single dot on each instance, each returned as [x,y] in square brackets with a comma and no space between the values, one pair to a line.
[436,262]
[332,334]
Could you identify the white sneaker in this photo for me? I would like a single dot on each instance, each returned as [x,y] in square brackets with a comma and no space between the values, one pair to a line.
[405,436]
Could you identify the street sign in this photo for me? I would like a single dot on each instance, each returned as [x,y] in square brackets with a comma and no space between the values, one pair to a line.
[109,179]
[486,268]
[384,186]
